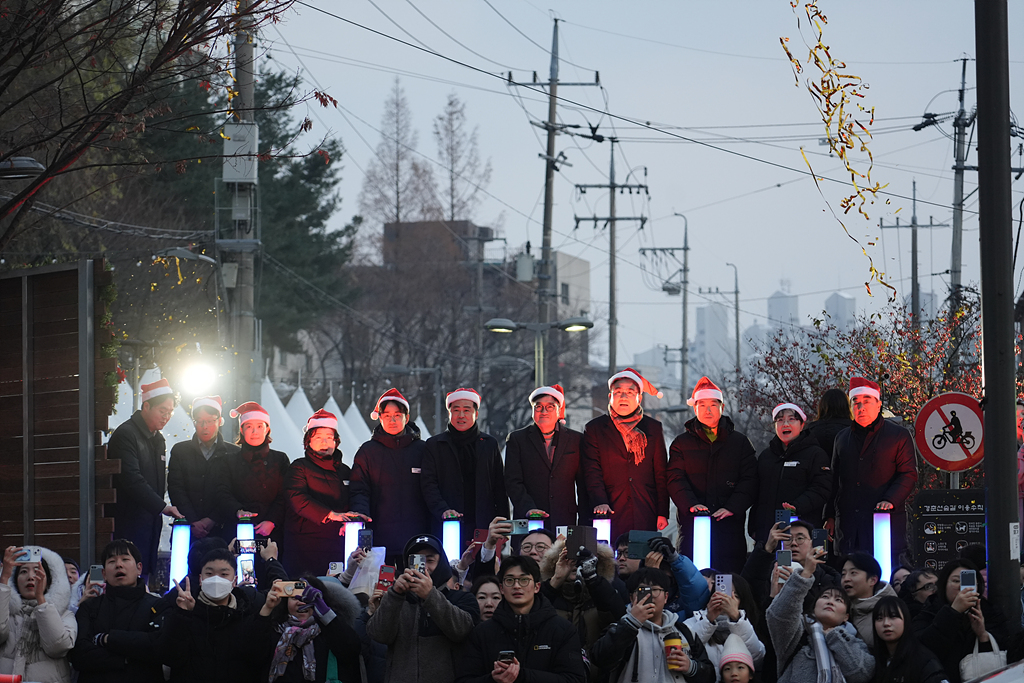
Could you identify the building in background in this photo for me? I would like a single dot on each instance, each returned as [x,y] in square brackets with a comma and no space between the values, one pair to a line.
[842,310]
[783,310]
[713,350]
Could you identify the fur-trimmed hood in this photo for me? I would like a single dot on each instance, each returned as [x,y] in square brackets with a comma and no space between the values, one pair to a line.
[58,593]
[344,603]
[605,561]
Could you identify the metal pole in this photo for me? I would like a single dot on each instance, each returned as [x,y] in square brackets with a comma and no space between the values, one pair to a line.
[685,357]
[538,357]
[960,156]
[997,299]
[544,284]
[438,405]
[915,287]
[736,292]
[613,325]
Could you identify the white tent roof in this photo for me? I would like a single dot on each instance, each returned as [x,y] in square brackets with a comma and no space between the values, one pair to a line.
[424,432]
[287,437]
[357,424]
[299,409]
[349,443]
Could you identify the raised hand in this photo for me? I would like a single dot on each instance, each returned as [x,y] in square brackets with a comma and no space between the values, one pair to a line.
[185,600]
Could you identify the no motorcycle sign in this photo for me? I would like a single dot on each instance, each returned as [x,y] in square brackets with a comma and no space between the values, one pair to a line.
[949,430]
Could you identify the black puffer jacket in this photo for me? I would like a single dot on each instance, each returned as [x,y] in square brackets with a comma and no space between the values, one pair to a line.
[825,431]
[534,483]
[140,485]
[545,644]
[800,475]
[127,616]
[313,490]
[947,633]
[385,486]
[252,480]
[191,488]
[718,474]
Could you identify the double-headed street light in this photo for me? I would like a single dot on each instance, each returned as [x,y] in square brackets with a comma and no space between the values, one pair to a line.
[577,324]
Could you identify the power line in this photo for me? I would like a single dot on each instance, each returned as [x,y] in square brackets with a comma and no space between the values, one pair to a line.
[458,42]
[516,28]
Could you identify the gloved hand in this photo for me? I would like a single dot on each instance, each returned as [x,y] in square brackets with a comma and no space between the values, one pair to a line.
[660,544]
[588,569]
[313,596]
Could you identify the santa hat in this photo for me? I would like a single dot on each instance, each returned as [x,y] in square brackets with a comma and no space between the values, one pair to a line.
[556,392]
[735,650]
[462,394]
[704,388]
[154,389]
[789,406]
[860,386]
[321,418]
[249,411]
[213,403]
[389,395]
[634,376]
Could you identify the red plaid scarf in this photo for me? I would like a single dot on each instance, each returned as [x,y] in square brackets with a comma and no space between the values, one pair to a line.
[635,440]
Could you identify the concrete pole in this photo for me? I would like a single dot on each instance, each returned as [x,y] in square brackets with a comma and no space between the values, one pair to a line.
[545,282]
[613,324]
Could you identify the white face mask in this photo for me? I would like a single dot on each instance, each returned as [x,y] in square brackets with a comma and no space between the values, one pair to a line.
[216,587]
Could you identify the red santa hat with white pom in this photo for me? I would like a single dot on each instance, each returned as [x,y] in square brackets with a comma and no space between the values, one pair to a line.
[321,418]
[154,389]
[635,377]
[249,411]
[556,392]
[861,386]
[463,394]
[389,395]
[214,403]
[705,388]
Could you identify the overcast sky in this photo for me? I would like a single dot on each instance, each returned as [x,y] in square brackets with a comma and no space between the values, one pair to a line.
[712,72]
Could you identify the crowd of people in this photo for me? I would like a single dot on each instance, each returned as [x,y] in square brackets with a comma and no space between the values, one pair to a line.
[532,598]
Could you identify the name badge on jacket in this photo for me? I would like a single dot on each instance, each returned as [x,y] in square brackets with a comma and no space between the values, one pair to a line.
[415,470]
[791,463]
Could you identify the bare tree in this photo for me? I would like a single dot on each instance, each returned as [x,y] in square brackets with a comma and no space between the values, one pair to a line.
[464,175]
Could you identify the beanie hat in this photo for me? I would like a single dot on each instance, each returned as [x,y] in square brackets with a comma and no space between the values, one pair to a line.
[735,650]
[250,411]
[860,386]
[704,388]
[389,395]
[634,376]
[214,403]
[462,394]
[789,406]
[321,418]
[556,392]
[154,389]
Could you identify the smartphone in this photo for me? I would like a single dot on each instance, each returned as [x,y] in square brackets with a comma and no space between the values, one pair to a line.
[96,573]
[520,527]
[335,569]
[577,536]
[248,573]
[247,547]
[968,579]
[642,594]
[723,584]
[290,588]
[819,537]
[783,517]
[31,554]
[638,547]
[480,535]
[562,531]
[785,559]
[386,577]
[418,562]
[365,540]
[506,656]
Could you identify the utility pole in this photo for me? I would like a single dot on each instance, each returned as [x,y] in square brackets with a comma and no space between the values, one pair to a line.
[546,288]
[960,124]
[610,221]
[684,351]
[915,286]
[736,293]
[995,219]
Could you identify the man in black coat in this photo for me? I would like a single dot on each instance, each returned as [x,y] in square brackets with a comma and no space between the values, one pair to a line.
[140,485]
[712,470]
[545,644]
[624,459]
[118,630]
[874,469]
[462,473]
[793,473]
[189,485]
[543,476]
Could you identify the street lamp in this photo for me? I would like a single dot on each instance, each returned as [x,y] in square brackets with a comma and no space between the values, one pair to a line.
[406,370]
[504,325]
[19,168]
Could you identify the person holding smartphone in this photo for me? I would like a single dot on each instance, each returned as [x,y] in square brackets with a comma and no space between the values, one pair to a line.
[731,610]
[524,638]
[634,649]
[957,618]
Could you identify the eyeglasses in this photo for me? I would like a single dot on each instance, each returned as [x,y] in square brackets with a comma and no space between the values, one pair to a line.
[787,420]
[206,423]
[629,393]
[800,538]
[545,408]
[523,581]
[622,553]
[655,591]
[926,587]
[539,547]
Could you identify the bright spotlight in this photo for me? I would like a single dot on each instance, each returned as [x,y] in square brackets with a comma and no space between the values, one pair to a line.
[197,380]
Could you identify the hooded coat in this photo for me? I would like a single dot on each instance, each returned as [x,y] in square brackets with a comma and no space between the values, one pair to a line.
[545,644]
[385,486]
[634,651]
[140,485]
[127,615]
[313,488]
[424,636]
[861,609]
[590,607]
[35,639]
[534,483]
[871,464]
[799,474]
[191,488]
[947,633]
[637,494]
[717,474]
[714,632]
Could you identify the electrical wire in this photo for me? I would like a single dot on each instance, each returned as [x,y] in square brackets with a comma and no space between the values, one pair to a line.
[458,42]
[516,28]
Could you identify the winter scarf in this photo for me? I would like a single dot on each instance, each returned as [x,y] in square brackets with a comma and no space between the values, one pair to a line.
[465,450]
[828,670]
[29,644]
[205,599]
[636,441]
[261,477]
[327,462]
[295,635]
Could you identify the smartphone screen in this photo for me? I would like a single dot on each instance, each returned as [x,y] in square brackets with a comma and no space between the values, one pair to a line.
[968,579]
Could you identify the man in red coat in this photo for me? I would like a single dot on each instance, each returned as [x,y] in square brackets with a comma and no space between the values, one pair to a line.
[624,459]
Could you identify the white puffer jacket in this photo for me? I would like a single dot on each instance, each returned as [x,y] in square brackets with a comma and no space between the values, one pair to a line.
[36,639]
